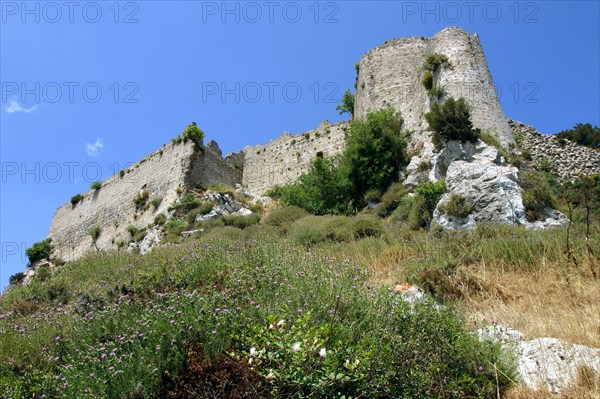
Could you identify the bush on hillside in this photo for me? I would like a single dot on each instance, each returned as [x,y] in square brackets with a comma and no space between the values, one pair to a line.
[284,217]
[537,194]
[375,152]
[583,134]
[39,250]
[457,207]
[451,121]
[325,189]
[241,222]
[312,230]
[391,199]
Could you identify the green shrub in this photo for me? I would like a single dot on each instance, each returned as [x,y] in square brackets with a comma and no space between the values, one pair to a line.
[186,203]
[545,165]
[193,133]
[437,93]
[427,80]
[42,273]
[312,230]
[284,217]
[537,194]
[141,199]
[451,121]
[274,192]
[155,202]
[373,196]
[210,224]
[139,235]
[325,189]
[418,215]
[363,227]
[121,173]
[423,166]
[206,208]
[132,230]
[94,232]
[583,134]
[16,278]
[391,199]
[457,207]
[309,230]
[402,211]
[174,227]
[225,232]
[39,250]
[375,152]
[241,222]
[160,219]
[76,199]
[434,61]
[97,185]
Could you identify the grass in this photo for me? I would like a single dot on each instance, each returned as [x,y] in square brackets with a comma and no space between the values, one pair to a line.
[254,307]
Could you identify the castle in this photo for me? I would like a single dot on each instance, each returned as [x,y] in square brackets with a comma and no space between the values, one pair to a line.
[387,75]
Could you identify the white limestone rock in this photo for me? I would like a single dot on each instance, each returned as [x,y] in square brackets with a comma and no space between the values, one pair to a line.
[151,239]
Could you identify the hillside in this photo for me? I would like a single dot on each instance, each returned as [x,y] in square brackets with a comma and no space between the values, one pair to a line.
[427,248]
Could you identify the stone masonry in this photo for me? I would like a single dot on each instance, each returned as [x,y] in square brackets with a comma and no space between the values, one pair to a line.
[391,75]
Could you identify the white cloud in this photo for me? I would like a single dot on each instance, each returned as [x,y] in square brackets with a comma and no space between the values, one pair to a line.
[16,107]
[93,150]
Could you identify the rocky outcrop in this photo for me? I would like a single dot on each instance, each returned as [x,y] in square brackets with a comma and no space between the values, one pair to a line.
[482,178]
[544,363]
[489,185]
[225,205]
[568,160]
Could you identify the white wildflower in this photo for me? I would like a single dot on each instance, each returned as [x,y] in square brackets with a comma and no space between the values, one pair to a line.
[323,352]
[296,347]
[252,352]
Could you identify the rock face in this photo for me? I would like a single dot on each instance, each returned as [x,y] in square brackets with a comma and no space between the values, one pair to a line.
[391,74]
[488,184]
[224,205]
[544,363]
[569,160]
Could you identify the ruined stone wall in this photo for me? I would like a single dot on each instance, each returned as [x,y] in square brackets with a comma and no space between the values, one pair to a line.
[391,74]
[570,160]
[283,160]
[111,208]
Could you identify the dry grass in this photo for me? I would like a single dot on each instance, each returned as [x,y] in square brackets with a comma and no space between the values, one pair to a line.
[587,387]
[541,304]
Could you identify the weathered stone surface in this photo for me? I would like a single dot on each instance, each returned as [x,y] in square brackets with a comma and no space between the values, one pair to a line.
[283,160]
[391,74]
[544,363]
[488,185]
[224,205]
[151,239]
[161,174]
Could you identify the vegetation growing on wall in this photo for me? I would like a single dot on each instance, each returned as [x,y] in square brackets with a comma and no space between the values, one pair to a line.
[39,251]
[451,120]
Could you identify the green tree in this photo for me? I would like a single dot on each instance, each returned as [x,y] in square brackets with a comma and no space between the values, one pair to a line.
[451,121]
[346,104]
[375,151]
[325,189]
[39,250]
[583,134]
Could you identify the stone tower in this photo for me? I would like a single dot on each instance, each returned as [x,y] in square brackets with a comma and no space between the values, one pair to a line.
[391,74]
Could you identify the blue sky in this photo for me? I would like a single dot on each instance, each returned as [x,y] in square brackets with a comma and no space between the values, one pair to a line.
[88,87]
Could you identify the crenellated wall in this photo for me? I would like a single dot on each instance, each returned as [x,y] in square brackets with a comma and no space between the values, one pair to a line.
[112,209]
[283,160]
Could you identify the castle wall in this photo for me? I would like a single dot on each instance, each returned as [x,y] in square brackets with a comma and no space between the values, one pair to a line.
[283,160]
[112,209]
[391,74]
